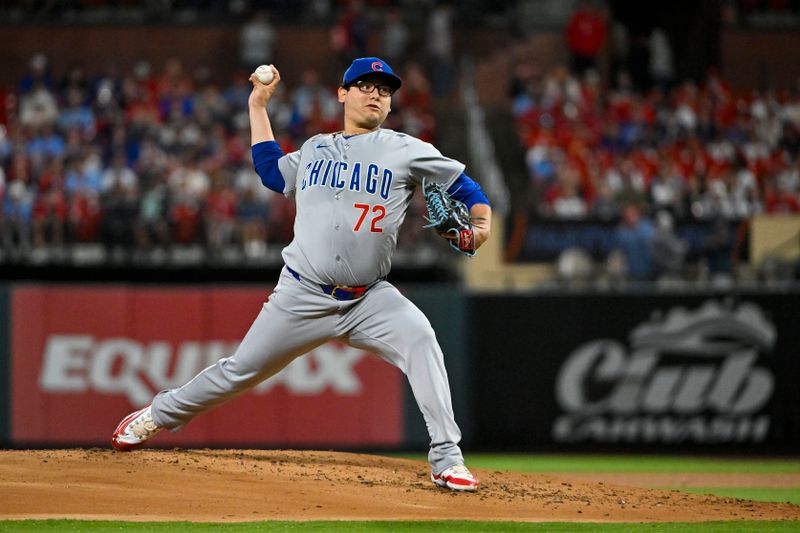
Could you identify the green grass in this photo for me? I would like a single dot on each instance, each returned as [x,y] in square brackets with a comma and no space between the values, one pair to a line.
[550,463]
[761,494]
[79,526]
[566,464]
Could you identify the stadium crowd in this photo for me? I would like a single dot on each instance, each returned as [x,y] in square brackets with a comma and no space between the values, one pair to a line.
[695,151]
[649,159]
[156,158]
[142,161]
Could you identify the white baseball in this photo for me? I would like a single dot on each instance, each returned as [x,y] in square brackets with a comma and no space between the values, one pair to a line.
[264,73]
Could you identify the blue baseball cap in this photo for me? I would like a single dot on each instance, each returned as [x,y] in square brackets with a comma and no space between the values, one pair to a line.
[371,65]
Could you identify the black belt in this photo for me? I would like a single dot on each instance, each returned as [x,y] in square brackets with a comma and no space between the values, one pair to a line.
[338,292]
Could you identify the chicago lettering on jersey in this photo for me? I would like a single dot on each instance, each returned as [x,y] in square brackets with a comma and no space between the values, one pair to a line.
[355,176]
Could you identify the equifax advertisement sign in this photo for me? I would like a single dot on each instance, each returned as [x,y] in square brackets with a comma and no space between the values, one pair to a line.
[83,357]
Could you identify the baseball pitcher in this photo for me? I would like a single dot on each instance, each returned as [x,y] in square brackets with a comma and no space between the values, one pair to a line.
[352,189]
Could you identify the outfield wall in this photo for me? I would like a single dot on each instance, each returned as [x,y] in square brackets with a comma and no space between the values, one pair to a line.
[646,371]
[74,359]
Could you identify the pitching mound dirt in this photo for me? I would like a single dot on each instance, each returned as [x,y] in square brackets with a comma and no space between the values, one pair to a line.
[248,485]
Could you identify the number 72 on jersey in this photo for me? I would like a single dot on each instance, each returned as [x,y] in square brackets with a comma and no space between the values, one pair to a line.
[378,212]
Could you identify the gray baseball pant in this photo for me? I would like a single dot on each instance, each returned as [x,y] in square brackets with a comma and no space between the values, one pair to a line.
[298,317]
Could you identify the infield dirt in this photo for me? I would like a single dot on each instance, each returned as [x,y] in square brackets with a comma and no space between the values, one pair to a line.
[249,485]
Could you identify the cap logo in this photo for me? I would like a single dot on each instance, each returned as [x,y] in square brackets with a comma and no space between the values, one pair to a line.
[377,65]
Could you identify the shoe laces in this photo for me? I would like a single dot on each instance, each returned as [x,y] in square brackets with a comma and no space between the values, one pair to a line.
[460,469]
[144,426]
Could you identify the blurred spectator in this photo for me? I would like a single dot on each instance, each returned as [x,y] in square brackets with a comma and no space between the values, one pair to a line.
[257,40]
[349,35]
[152,228]
[77,114]
[251,223]
[281,219]
[85,216]
[669,250]
[51,208]
[237,92]
[780,200]
[667,188]
[145,80]
[574,266]
[413,106]
[411,235]
[586,36]
[74,80]
[638,66]
[634,239]
[120,205]
[410,120]
[119,175]
[565,198]
[605,207]
[620,49]
[141,109]
[175,93]
[524,88]
[38,75]
[83,175]
[318,9]
[210,106]
[38,108]
[394,38]
[189,178]
[314,107]
[416,91]
[189,184]
[220,214]
[185,218]
[46,144]
[661,68]
[283,113]
[717,248]
[440,50]
[18,200]
[5,145]
[788,178]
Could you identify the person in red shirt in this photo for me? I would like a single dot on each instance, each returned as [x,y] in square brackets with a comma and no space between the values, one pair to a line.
[586,36]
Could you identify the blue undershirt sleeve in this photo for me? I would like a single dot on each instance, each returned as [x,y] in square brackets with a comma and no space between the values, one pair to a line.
[265,161]
[468,191]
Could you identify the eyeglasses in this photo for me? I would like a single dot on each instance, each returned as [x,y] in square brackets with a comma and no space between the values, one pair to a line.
[367,87]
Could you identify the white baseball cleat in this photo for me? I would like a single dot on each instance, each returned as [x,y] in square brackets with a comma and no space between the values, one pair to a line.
[134,430]
[456,477]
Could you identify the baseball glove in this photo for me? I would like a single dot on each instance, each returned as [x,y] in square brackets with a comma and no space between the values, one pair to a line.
[449,217]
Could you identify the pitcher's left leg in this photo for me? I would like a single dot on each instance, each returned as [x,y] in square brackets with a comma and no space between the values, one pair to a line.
[387,323]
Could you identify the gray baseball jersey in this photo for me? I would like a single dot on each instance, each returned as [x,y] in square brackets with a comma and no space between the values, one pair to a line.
[352,194]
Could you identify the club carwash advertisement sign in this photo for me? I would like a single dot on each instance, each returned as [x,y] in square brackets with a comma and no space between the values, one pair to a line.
[684,376]
[83,357]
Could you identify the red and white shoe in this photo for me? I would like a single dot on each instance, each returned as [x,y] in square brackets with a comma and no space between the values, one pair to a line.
[456,477]
[134,430]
